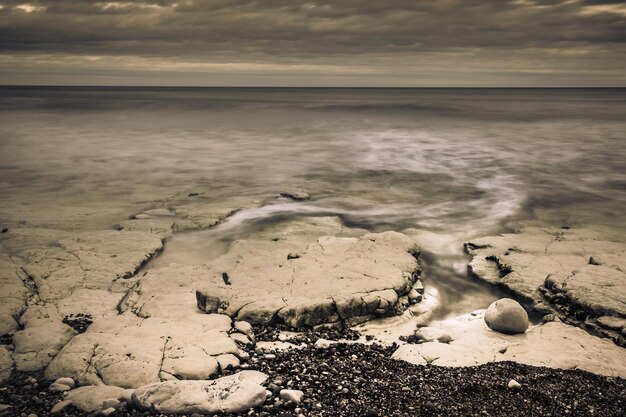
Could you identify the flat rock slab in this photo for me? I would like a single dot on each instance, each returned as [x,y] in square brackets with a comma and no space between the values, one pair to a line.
[573,273]
[93,260]
[229,394]
[554,345]
[334,280]
[35,346]
[13,294]
[128,351]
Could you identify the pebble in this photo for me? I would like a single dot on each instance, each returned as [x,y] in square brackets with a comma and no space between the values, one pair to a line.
[65,381]
[4,407]
[293,395]
[513,384]
[56,387]
[270,356]
[322,344]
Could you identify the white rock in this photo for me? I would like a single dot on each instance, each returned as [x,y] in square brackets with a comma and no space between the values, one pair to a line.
[65,381]
[91,398]
[293,395]
[432,334]
[513,384]
[506,316]
[230,394]
[322,344]
[56,387]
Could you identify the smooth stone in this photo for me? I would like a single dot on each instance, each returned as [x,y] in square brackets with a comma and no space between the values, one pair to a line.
[229,394]
[295,396]
[513,384]
[322,344]
[91,397]
[56,387]
[36,346]
[432,334]
[507,316]
[65,381]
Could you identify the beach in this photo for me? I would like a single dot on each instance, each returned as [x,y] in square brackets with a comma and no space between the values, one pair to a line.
[165,236]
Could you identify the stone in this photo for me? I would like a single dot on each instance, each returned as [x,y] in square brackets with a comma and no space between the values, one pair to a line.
[93,260]
[14,293]
[56,387]
[513,384]
[36,346]
[432,334]
[293,395]
[322,344]
[506,316]
[334,280]
[6,363]
[4,407]
[91,397]
[576,274]
[475,344]
[297,195]
[112,403]
[229,394]
[129,351]
[65,381]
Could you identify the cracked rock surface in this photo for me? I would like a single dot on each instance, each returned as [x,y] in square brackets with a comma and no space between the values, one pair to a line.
[575,274]
[128,351]
[554,344]
[332,281]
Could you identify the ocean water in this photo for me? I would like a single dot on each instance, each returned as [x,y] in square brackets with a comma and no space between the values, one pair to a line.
[445,165]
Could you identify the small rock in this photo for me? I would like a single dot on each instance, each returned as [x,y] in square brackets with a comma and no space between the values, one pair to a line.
[65,381]
[371,413]
[270,356]
[322,344]
[513,384]
[506,316]
[432,334]
[56,387]
[4,407]
[293,395]
[109,412]
[60,406]
[298,195]
[293,255]
[244,327]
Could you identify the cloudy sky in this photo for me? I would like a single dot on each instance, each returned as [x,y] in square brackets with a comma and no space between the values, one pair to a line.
[316,43]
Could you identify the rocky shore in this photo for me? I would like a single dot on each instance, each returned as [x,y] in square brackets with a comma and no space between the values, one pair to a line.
[89,328]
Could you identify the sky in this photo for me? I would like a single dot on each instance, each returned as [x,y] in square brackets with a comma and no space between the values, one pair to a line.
[334,43]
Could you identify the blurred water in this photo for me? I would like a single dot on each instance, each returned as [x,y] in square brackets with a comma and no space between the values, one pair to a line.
[444,165]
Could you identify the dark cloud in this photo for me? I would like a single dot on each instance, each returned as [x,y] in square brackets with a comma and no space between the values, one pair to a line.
[587,35]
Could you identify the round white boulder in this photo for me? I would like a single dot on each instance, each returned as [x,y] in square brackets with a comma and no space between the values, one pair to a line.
[506,316]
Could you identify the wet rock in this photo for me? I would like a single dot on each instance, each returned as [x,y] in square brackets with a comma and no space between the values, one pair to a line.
[506,316]
[474,344]
[432,334]
[229,394]
[297,195]
[551,269]
[360,278]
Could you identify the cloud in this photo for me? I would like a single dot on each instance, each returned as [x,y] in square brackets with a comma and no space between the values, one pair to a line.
[587,35]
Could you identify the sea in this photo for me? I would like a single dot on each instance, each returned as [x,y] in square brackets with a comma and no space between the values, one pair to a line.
[443,165]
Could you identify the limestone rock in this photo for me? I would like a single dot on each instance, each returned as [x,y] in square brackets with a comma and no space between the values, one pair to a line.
[432,334]
[334,280]
[551,270]
[91,260]
[92,397]
[13,295]
[6,363]
[293,395]
[229,394]
[129,351]
[474,344]
[36,346]
[506,316]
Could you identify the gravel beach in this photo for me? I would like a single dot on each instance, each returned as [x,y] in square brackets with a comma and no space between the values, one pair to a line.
[361,380]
